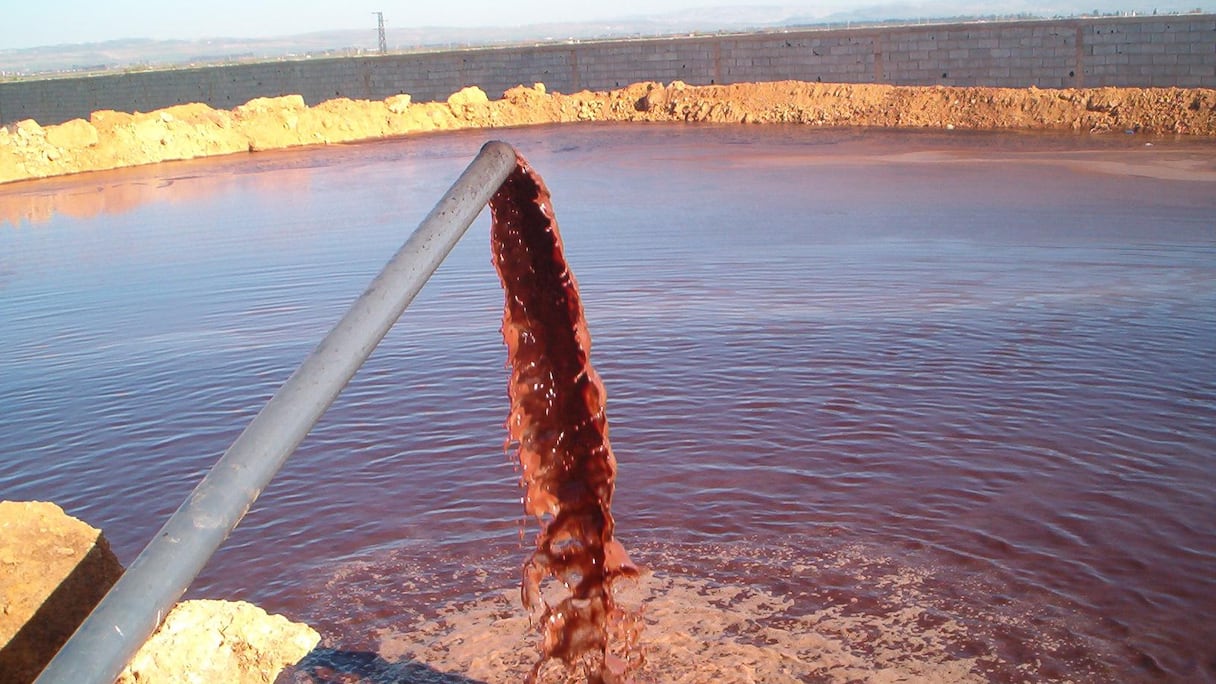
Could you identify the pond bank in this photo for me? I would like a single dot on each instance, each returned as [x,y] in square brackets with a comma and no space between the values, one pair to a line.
[112,139]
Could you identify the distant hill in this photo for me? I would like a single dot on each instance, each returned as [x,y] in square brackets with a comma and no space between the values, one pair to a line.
[141,53]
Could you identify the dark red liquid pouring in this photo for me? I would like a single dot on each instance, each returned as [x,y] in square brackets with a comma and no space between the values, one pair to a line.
[559,425]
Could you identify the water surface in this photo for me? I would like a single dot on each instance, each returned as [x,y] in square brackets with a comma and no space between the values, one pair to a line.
[885,403]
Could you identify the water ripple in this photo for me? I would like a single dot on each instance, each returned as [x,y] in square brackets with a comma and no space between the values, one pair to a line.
[1022,392]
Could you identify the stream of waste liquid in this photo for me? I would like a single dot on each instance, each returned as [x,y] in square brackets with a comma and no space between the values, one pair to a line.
[559,428]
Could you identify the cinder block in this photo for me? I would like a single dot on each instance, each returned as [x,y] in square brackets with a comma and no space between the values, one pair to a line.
[1177,49]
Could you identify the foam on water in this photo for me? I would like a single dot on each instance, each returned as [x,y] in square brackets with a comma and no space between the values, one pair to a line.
[810,611]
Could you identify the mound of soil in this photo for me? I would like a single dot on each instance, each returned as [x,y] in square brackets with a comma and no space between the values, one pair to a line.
[112,139]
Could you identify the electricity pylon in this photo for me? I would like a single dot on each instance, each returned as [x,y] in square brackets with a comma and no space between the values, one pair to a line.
[380,33]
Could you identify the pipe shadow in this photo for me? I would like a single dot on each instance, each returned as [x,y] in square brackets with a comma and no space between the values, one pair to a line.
[334,666]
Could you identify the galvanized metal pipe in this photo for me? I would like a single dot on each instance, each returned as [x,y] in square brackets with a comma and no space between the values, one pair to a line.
[141,598]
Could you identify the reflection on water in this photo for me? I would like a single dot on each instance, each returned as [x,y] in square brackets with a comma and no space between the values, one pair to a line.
[886,404]
[193,181]
[34,203]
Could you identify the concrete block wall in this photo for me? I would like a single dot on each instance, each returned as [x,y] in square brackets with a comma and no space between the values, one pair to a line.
[1135,51]
[1161,51]
[1017,56]
[607,65]
[836,56]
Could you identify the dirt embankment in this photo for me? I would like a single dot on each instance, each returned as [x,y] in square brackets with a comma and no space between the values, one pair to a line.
[112,139]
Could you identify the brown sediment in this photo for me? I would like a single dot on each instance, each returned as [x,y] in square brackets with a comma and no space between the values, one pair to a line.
[111,139]
[559,426]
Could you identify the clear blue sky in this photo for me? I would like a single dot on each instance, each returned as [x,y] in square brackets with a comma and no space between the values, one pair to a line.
[28,23]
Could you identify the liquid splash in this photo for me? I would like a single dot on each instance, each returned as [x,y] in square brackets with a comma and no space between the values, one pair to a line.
[559,427]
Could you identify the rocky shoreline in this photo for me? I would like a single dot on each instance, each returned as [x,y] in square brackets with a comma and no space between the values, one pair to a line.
[55,568]
[112,139]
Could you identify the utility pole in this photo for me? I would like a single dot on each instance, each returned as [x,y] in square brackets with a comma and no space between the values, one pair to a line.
[380,27]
